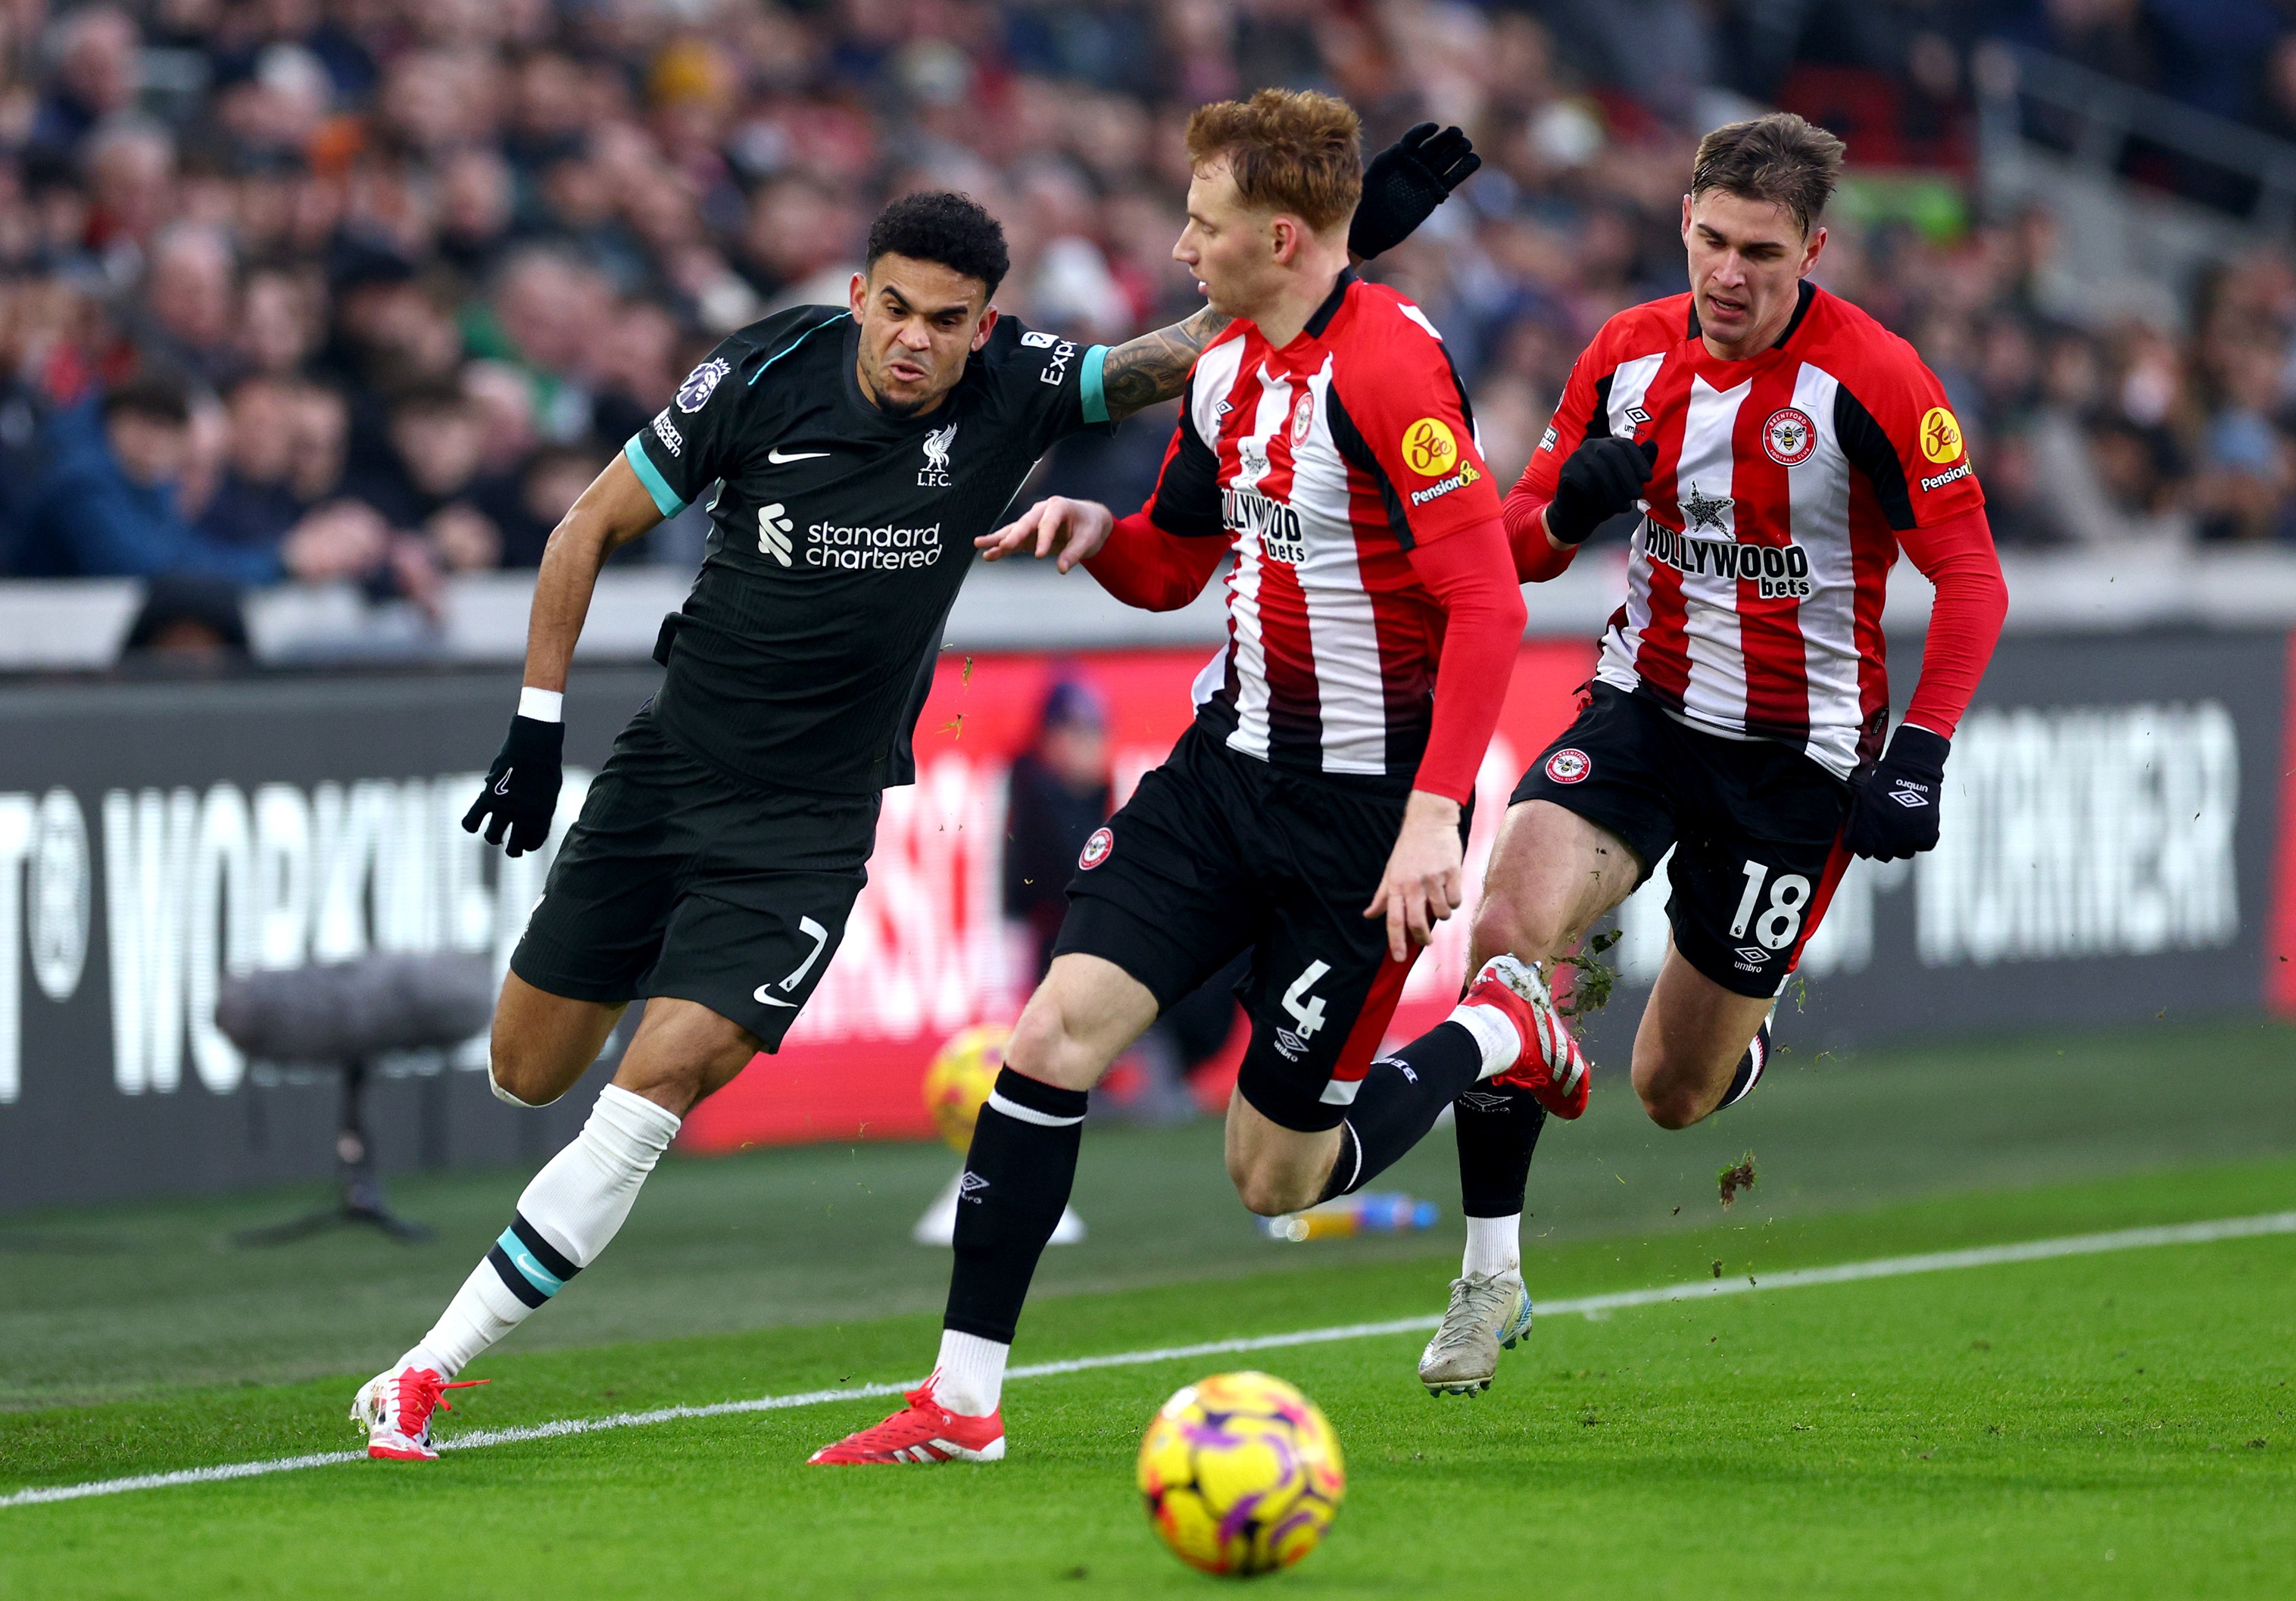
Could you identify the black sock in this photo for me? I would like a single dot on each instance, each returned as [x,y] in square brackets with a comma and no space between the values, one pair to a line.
[1401,1097]
[1750,1068]
[1497,1128]
[1017,1178]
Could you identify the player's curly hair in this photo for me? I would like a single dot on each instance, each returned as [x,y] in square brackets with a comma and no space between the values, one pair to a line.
[1289,149]
[939,224]
[1782,159]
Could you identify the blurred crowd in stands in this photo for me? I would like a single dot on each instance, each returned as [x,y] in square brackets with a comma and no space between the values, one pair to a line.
[368,290]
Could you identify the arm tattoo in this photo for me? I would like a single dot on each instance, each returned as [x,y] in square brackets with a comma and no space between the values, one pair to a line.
[1141,372]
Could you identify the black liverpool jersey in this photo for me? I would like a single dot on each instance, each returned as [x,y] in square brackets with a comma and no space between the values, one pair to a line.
[803,654]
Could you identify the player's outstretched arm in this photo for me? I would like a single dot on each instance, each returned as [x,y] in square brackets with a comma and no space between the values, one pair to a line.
[1073,531]
[521,793]
[1143,371]
[1133,559]
[613,511]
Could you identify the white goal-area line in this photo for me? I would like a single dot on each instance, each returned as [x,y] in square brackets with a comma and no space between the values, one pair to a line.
[1584,1306]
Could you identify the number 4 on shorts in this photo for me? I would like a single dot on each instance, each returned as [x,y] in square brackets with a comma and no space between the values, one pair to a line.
[1307,1010]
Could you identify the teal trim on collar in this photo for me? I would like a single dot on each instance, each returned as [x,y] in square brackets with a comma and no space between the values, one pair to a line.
[794,344]
[1095,397]
[665,500]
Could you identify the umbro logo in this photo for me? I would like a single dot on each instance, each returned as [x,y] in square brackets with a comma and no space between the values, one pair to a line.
[969,1187]
[774,533]
[1483,1100]
[1753,954]
[1637,416]
[1913,797]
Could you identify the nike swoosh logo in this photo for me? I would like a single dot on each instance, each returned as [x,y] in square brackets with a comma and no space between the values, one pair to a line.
[781,460]
[503,787]
[765,998]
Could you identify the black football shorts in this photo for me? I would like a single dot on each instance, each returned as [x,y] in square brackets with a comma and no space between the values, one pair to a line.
[1218,853]
[1754,825]
[678,881]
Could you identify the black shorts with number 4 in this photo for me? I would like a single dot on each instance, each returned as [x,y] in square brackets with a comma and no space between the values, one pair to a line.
[1754,825]
[679,881]
[1218,853]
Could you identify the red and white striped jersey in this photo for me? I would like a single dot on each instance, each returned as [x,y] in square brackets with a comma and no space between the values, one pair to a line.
[1324,464]
[1756,576]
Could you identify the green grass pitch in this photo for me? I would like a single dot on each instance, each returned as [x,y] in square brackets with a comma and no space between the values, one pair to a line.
[2098,1425]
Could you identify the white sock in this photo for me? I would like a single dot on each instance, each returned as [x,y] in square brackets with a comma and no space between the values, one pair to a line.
[969,1379]
[1494,1033]
[1494,1246]
[575,1205]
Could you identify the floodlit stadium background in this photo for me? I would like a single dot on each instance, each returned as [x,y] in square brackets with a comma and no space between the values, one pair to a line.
[424,265]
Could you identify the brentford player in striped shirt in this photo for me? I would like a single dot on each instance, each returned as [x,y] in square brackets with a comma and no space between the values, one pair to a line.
[1315,813]
[1782,448]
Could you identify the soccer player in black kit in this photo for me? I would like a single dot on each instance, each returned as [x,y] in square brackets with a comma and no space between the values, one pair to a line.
[857,453]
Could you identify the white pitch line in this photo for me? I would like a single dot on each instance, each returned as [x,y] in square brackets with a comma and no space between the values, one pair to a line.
[1893,1266]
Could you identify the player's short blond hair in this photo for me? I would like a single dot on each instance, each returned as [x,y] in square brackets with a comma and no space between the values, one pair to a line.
[1780,159]
[1289,149]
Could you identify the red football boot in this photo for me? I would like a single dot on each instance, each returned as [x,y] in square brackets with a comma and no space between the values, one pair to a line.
[396,1410]
[924,1430]
[1552,1066]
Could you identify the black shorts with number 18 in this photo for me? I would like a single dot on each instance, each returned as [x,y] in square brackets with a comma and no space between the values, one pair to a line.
[1754,825]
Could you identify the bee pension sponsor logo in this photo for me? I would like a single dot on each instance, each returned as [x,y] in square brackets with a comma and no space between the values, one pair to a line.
[1436,491]
[1940,436]
[1429,448]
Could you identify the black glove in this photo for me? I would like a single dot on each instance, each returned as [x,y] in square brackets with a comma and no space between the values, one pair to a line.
[1603,477]
[521,791]
[1404,185]
[1896,811]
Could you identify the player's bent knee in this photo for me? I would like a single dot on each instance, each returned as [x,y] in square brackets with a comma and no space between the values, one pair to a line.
[1670,1102]
[520,1082]
[1043,1048]
[1266,1196]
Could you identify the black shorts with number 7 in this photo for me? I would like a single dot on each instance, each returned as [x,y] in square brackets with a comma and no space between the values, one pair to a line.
[1219,852]
[1755,826]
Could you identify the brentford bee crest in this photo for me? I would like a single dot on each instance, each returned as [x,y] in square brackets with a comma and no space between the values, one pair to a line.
[1789,437]
[1570,766]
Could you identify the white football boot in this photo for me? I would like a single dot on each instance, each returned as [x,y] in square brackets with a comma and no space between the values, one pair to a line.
[1487,1312]
[396,1408]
